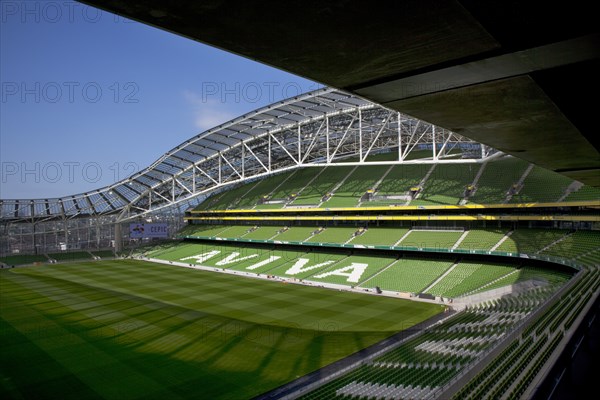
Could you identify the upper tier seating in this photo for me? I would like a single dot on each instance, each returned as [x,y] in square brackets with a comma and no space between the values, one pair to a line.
[347,186]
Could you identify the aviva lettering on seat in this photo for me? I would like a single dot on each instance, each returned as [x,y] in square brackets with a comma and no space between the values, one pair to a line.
[352,272]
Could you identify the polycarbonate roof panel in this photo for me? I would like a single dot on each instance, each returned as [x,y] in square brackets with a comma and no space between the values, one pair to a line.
[98,202]
[54,206]
[194,149]
[138,185]
[7,209]
[24,210]
[146,180]
[69,206]
[179,162]
[115,199]
[126,192]
[166,168]
[187,154]
[157,175]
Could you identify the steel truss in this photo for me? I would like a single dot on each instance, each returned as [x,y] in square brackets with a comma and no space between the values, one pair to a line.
[321,128]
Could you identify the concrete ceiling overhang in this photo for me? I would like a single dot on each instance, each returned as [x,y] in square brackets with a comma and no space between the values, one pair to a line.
[520,76]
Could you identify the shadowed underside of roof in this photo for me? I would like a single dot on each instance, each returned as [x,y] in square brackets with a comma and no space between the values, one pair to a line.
[513,75]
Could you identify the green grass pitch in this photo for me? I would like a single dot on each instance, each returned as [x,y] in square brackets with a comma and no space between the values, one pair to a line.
[132,329]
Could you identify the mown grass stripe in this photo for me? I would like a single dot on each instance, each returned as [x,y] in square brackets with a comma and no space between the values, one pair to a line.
[132,329]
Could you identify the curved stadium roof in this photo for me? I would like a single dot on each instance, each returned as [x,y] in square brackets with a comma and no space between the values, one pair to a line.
[282,135]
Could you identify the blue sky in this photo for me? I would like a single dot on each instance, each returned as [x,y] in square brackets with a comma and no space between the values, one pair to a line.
[88,97]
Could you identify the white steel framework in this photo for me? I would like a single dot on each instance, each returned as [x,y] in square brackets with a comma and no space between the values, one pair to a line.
[323,127]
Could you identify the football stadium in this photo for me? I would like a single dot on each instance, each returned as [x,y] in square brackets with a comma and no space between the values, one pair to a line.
[398,258]
[322,247]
